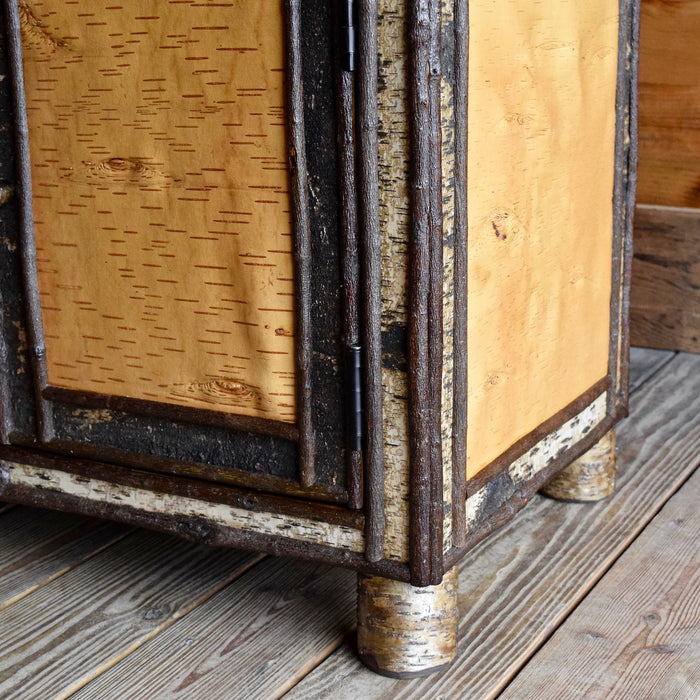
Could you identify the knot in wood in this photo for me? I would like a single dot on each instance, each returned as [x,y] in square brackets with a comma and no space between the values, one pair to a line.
[124,164]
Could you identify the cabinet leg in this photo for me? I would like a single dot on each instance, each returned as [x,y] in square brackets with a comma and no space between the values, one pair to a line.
[590,478]
[404,631]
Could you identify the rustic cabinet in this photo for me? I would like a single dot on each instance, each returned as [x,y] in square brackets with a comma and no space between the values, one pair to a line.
[339,280]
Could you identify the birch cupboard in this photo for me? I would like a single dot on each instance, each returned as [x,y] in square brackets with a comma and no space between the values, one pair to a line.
[342,280]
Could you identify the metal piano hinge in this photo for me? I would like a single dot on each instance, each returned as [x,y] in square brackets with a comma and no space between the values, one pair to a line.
[354,398]
[347,31]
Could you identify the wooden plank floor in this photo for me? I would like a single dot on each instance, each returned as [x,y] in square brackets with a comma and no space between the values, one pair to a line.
[567,600]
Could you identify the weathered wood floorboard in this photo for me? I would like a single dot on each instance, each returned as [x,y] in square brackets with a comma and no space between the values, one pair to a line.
[255,639]
[637,633]
[524,580]
[644,363]
[81,623]
[36,546]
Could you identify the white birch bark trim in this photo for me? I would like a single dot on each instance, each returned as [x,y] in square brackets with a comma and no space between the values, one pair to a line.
[396,481]
[393,151]
[394,219]
[302,529]
[547,450]
[544,453]
[447,126]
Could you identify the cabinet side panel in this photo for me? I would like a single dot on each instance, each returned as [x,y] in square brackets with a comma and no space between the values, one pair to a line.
[541,145]
[161,201]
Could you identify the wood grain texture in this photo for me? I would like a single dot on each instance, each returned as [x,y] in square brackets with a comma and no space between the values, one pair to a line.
[109,605]
[161,201]
[37,546]
[644,363]
[542,89]
[255,639]
[637,633]
[669,104]
[665,290]
[517,587]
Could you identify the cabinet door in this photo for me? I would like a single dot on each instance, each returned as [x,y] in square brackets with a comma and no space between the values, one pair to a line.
[179,242]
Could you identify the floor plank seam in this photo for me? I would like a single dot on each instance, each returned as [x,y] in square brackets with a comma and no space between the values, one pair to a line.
[4,604]
[348,639]
[341,671]
[646,378]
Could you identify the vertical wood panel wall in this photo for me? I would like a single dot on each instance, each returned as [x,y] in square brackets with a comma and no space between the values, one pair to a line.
[669,104]
[665,293]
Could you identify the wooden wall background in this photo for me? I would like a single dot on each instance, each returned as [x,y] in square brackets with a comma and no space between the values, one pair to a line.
[665,294]
[669,104]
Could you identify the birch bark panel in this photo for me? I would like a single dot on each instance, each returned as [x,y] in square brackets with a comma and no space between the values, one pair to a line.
[541,165]
[669,104]
[161,200]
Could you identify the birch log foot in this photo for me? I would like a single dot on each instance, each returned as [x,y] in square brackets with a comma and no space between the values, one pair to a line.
[590,478]
[404,631]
